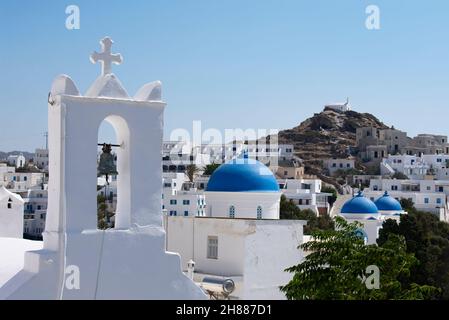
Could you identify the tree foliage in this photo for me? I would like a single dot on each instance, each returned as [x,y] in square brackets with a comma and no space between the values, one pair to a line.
[428,239]
[399,176]
[191,171]
[336,268]
[210,168]
[103,213]
[289,210]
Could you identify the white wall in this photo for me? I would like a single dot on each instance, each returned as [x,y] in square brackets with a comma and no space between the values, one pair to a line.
[11,219]
[268,252]
[257,250]
[245,203]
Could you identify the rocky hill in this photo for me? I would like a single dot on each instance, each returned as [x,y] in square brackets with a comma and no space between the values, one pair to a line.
[327,134]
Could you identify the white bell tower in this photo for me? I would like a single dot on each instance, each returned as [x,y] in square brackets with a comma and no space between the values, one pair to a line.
[129,261]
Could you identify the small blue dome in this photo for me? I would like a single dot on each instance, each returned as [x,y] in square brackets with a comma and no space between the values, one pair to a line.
[242,175]
[359,205]
[388,203]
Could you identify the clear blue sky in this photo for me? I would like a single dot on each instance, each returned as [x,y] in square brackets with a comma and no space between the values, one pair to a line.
[233,63]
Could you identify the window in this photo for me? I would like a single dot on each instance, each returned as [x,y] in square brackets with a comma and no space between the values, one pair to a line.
[438,200]
[173,213]
[25,178]
[231,212]
[428,188]
[185,202]
[334,165]
[426,200]
[173,201]
[186,213]
[212,247]
[394,188]
[348,165]
[259,212]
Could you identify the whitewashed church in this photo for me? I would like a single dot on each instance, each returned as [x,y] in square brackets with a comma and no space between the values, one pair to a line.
[241,237]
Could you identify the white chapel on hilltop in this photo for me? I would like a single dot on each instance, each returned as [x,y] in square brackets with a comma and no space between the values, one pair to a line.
[129,261]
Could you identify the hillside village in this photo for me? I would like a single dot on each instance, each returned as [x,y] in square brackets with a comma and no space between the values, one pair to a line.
[337,148]
[221,221]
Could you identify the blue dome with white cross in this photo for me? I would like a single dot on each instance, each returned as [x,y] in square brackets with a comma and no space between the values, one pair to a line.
[359,205]
[242,175]
[388,203]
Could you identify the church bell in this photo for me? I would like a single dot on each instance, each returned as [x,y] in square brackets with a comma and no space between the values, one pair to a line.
[106,165]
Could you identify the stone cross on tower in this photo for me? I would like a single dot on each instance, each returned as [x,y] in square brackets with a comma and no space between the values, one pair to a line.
[106,57]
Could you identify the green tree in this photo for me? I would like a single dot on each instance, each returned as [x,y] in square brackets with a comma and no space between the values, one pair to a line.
[210,168]
[428,239]
[191,171]
[407,205]
[103,214]
[337,263]
[399,176]
[289,210]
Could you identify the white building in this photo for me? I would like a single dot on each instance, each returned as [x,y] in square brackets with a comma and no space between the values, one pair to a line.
[180,197]
[40,159]
[4,169]
[17,161]
[339,106]
[426,166]
[333,165]
[427,195]
[251,252]
[306,194]
[11,215]
[241,237]
[178,154]
[35,211]
[22,181]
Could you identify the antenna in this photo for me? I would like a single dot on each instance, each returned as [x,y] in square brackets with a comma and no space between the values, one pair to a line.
[46,139]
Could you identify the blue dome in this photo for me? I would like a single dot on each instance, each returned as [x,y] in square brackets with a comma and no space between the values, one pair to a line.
[359,204]
[242,175]
[388,203]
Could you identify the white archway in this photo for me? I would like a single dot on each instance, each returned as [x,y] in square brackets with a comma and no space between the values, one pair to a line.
[122,134]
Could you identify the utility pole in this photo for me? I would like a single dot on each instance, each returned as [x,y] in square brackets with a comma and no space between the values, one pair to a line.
[46,140]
